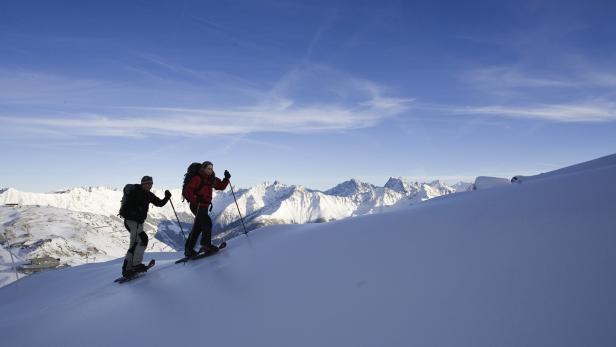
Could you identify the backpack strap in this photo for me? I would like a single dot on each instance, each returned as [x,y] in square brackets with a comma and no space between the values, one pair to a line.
[201,185]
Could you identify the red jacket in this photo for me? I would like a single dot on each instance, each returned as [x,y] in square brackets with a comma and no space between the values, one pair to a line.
[204,195]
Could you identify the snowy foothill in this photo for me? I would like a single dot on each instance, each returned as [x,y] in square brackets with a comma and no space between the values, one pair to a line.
[528,264]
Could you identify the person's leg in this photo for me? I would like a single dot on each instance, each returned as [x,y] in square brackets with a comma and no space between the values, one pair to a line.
[194,232]
[142,243]
[131,226]
[206,230]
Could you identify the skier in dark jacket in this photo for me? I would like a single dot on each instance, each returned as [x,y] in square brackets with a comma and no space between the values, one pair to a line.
[198,191]
[135,211]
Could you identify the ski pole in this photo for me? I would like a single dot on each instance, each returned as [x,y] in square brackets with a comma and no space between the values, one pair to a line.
[176,217]
[238,210]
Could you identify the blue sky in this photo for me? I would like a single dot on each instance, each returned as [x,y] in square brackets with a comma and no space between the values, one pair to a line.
[304,92]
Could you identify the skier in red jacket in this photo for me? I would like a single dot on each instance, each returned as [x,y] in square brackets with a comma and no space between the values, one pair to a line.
[198,191]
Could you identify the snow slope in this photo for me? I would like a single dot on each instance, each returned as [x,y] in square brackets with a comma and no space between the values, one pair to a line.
[606,161]
[516,265]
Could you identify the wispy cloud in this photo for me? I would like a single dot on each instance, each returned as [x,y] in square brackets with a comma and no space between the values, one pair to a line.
[28,88]
[578,93]
[323,27]
[283,108]
[512,77]
[231,34]
[509,77]
[601,78]
[194,122]
[582,112]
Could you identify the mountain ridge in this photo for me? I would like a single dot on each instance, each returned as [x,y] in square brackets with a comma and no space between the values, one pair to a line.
[97,207]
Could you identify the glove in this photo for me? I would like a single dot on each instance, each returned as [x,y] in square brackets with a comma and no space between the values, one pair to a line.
[167,194]
[144,238]
[227,175]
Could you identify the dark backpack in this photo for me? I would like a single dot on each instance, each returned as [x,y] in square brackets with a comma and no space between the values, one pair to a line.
[192,171]
[125,208]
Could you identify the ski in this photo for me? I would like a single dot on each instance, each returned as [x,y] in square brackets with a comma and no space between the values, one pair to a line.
[137,275]
[202,254]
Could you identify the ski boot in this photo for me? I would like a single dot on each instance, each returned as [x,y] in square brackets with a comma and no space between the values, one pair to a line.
[190,253]
[208,249]
[127,273]
[140,268]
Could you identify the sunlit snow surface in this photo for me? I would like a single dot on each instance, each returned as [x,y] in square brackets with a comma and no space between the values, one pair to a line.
[528,264]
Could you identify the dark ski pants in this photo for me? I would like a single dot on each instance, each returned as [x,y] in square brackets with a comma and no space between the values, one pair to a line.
[202,225]
[138,243]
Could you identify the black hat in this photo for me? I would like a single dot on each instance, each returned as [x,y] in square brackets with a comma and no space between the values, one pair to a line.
[146,179]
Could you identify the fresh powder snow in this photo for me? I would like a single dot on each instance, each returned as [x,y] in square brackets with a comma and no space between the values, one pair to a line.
[528,264]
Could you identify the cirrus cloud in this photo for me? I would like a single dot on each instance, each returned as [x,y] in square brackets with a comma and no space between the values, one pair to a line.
[334,101]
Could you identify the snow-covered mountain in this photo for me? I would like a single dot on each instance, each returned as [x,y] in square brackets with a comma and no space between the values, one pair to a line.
[527,264]
[287,204]
[98,200]
[264,204]
[79,225]
[418,192]
[277,203]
